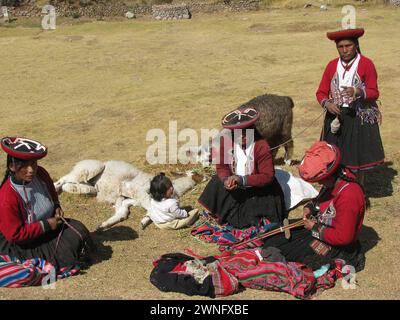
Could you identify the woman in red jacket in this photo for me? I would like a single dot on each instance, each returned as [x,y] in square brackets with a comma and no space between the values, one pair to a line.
[245,189]
[348,91]
[333,220]
[31,219]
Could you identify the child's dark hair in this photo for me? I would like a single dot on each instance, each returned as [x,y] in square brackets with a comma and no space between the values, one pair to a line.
[159,186]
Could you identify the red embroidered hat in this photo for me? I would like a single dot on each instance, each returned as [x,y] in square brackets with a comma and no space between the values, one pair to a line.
[319,162]
[24,149]
[345,34]
[240,118]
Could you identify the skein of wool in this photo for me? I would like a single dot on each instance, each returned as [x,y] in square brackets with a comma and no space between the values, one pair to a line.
[335,125]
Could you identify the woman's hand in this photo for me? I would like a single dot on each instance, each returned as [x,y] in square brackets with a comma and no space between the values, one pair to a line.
[349,92]
[308,223]
[54,222]
[332,108]
[306,212]
[231,182]
[59,212]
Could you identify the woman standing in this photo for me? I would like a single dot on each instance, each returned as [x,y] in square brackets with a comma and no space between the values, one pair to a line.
[245,189]
[348,91]
[32,223]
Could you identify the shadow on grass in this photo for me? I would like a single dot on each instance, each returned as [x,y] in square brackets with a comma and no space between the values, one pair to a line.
[378,182]
[369,238]
[104,252]
[118,233]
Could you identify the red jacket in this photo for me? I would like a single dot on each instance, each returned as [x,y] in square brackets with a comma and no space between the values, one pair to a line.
[13,215]
[367,72]
[263,172]
[342,215]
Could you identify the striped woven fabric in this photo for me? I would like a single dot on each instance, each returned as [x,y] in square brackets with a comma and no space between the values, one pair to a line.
[16,274]
[225,235]
[292,277]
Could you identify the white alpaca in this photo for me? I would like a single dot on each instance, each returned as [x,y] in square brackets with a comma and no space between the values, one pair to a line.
[118,183]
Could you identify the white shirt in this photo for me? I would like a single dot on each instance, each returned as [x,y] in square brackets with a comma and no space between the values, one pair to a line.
[242,156]
[346,77]
[165,210]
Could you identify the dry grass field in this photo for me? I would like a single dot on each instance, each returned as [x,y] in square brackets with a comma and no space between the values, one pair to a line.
[92,89]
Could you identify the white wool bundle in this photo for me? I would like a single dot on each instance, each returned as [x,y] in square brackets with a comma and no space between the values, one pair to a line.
[295,190]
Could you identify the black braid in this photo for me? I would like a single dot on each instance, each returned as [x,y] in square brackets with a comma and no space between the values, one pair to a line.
[6,175]
[342,175]
[19,163]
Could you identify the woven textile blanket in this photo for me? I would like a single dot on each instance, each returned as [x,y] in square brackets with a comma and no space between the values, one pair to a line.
[225,235]
[32,272]
[292,277]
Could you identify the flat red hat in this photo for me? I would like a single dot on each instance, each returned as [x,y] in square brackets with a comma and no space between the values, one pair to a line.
[240,118]
[345,34]
[319,162]
[24,149]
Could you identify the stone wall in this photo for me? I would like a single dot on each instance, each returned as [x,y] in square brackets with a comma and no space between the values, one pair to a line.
[118,9]
[171,12]
[395,3]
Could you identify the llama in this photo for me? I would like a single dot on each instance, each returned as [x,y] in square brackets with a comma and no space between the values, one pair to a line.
[118,183]
[274,125]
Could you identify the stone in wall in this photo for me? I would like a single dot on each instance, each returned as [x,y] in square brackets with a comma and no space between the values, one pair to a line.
[395,3]
[171,12]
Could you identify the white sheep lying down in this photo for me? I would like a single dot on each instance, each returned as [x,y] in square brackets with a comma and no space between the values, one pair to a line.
[124,185]
[118,183]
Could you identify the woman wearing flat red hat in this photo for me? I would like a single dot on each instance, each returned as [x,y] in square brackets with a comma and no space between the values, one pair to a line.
[348,91]
[31,219]
[333,220]
[245,189]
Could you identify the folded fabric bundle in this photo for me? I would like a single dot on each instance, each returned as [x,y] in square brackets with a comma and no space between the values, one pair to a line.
[176,272]
[222,275]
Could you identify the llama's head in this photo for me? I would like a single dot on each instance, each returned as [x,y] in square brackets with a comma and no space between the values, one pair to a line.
[199,154]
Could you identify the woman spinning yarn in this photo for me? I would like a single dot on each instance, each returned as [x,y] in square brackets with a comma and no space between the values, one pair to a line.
[332,221]
[32,223]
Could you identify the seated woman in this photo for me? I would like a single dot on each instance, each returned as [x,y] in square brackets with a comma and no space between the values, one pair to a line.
[333,220]
[31,219]
[245,189]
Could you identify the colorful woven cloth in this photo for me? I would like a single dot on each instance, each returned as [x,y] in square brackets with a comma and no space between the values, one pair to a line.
[16,274]
[225,235]
[178,272]
[292,277]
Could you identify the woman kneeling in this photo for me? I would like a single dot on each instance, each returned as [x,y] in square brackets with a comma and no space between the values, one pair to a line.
[333,220]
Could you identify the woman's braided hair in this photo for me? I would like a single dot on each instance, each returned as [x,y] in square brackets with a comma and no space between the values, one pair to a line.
[11,160]
[341,173]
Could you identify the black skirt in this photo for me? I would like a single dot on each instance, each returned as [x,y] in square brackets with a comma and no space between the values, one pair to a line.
[71,249]
[243,208]
[359,142]
[298,249]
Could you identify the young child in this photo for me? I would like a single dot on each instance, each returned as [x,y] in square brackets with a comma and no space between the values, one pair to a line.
[164,208]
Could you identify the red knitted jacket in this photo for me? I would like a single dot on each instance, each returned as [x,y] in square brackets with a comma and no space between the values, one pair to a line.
[13,215]
[367,72]
[263,172]
[342,215]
